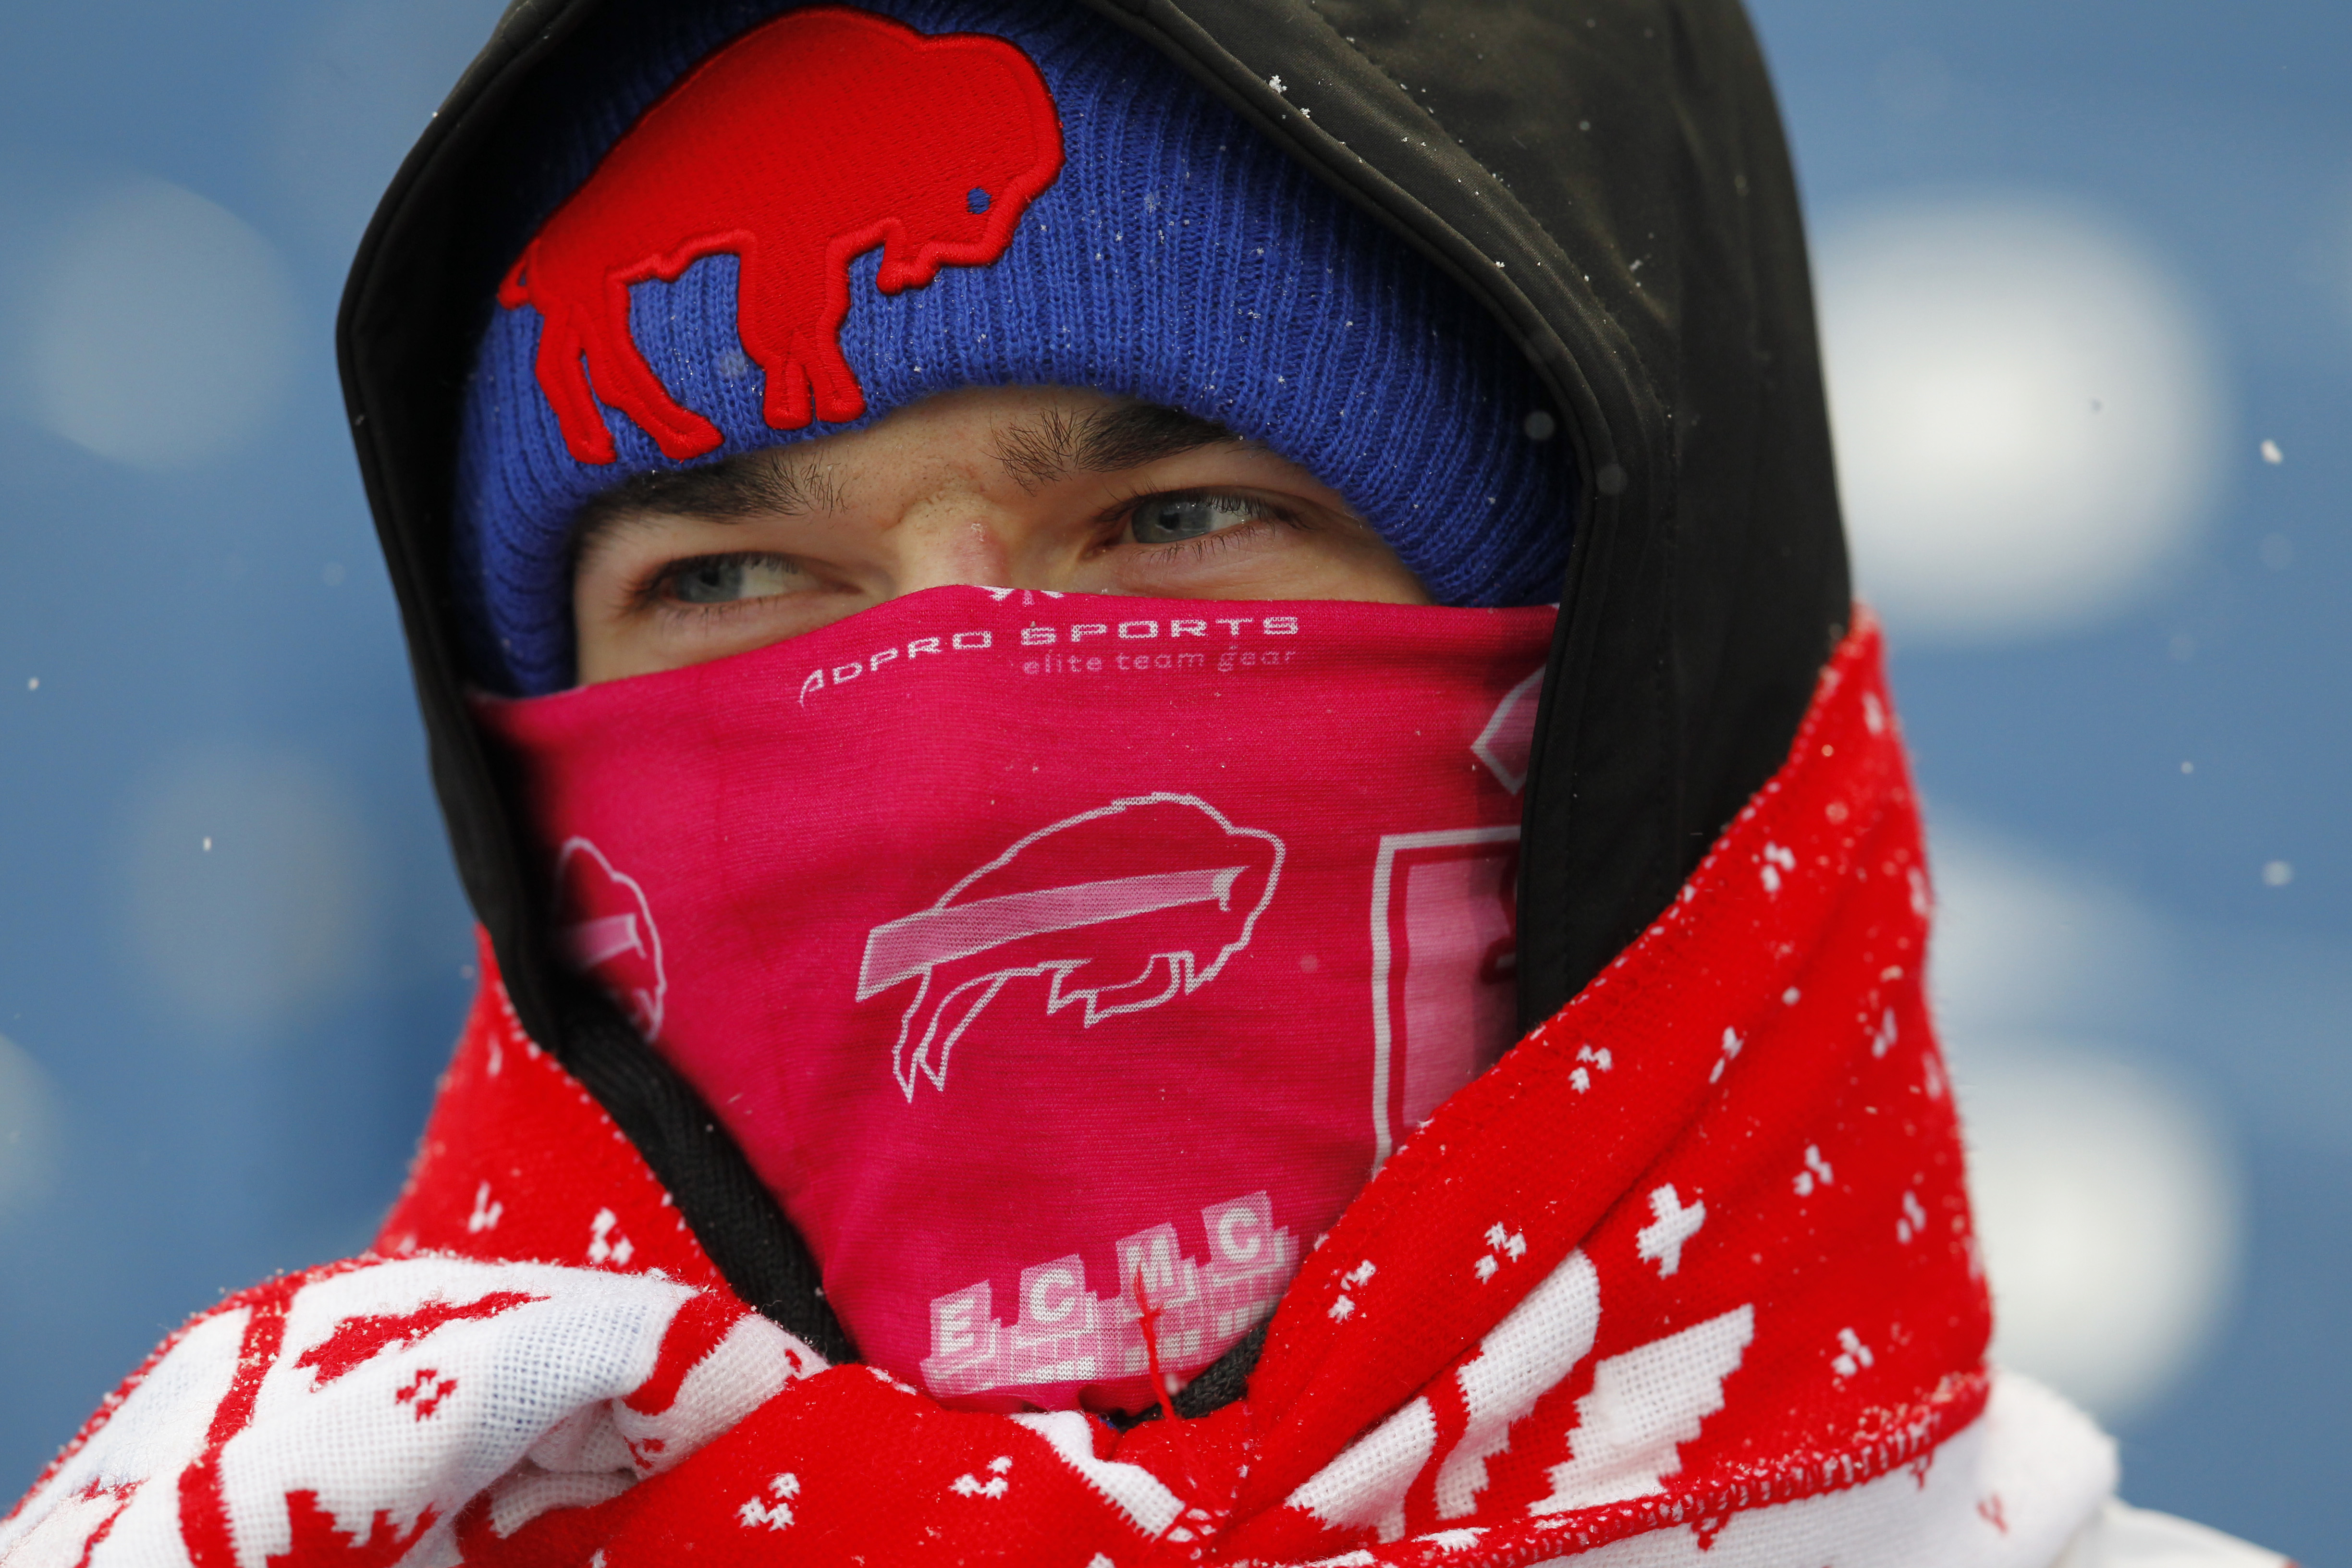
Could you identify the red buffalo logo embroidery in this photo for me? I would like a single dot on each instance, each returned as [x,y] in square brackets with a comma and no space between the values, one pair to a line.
[805,143]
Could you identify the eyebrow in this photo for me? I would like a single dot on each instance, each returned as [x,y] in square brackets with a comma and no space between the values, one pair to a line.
[751,484]
[748,484]
[1051,447]
[1036,452]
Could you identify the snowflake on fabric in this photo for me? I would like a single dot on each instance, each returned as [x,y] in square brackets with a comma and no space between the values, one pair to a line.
[969,1485]
[606,1242]
[1501,1244]
[1661,1241]
[486,1215]
[1852,1354]
[424,1393]
[1914,1221]
[1776,861]
[1817,1173]
[1195,1524]
[1599,1060]
[1732,1044]
[1354,1278]
[1883,1038]
[772,1506]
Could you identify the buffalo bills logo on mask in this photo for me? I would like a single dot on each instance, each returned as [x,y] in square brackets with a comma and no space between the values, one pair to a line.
[804,143]
[1187,893]
[606,928]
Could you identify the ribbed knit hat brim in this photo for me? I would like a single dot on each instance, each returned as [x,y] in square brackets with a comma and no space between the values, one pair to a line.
[1178,258]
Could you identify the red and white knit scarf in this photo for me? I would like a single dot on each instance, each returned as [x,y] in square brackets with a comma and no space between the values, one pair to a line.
[1687,1276]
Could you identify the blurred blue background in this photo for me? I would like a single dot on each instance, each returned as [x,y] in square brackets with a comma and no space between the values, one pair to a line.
[2087,296]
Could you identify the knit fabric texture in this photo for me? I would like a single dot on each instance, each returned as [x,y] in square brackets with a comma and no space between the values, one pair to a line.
[1178,258]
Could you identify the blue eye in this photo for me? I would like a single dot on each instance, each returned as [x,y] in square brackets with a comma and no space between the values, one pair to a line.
[1170,519]
[726,579]
[978,200]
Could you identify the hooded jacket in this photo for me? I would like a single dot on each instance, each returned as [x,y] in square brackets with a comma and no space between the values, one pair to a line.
[1649,260]
[1609,181]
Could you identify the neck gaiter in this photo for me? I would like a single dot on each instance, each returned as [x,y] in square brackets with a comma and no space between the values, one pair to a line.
[1063,964]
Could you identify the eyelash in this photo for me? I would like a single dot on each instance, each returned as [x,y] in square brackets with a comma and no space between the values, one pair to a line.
[647,593]
[1122,514]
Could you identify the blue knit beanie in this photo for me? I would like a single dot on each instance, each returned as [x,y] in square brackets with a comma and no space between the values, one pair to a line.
[1178,257]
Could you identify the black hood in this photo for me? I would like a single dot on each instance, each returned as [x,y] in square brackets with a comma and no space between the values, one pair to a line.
[1608,179]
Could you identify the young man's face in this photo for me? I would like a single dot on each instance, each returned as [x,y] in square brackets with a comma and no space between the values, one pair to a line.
[1001,486]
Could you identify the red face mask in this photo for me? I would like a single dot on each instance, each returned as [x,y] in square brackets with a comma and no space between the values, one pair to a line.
[1063,964]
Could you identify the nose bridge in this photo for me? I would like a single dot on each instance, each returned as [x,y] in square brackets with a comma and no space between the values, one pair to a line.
[955,535]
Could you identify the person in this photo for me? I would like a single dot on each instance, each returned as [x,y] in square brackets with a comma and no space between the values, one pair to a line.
[1186,848]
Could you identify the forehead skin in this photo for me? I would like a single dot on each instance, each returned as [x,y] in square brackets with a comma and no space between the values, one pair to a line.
[1007,487]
